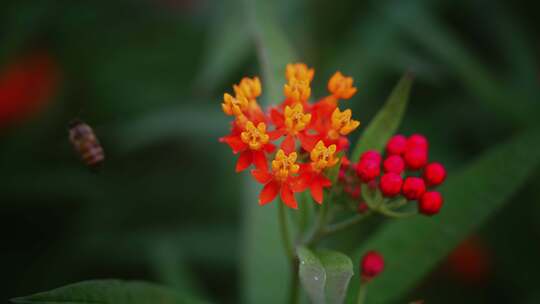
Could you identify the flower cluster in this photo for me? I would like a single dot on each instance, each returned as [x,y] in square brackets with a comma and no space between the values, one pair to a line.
[396,174]
[310,135]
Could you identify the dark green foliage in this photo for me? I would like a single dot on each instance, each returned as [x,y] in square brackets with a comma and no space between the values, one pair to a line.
[167,207]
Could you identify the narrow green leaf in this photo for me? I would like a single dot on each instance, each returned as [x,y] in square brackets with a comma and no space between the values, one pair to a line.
[264,260]
[444,43]
[169,265]
[107,292]
[387,120]
[413,247]
[273,49]
[228,46]
[325,275]
[172,123]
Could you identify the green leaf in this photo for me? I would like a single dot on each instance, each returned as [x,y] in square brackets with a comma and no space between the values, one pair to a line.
[228,46]
[414,247]
[273,48]
[387,120]
[170,123]
[264,273]
[107,292]
[325,275]
[170,267]
[439,39]
[312,275]
[339,270]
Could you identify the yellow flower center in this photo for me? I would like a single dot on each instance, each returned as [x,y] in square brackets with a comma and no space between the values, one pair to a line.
[283,166]
[255,137]
[248,87]
[295,119]
[341,86]
[297,90]
[342,124]
[234,106]
[322,157]
[299,71]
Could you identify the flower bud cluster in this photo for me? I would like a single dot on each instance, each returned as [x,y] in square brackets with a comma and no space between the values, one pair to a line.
[403,172]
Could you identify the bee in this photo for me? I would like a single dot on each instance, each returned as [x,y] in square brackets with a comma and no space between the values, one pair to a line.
[86,143]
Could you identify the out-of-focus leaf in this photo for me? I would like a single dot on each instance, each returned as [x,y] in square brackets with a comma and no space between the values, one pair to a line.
[177,122]
[325,275]
[373,43]
[195,243]
[516,44]
[443,43]
[20,23]
[273,49]
[107,292]
[386,122]
[412,248]
[228,45]
[263,262]
[171,269]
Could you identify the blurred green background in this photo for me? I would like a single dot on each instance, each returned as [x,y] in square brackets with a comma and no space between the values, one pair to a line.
[167,207]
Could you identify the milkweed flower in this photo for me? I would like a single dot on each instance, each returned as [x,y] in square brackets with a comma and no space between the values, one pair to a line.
[312,175]
[252,143]
[280,180]
[293,124]
[312,133]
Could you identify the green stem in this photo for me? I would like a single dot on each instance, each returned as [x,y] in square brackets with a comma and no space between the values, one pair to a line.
[294,295]
[319,225]
[362,293]
[284,229]
[393,214]
[289,251]
[346,223]
[397,203]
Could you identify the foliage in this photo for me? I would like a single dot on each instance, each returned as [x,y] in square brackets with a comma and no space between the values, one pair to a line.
[166,206]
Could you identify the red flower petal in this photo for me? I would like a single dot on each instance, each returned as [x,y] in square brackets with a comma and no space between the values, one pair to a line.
[325,182]
[287,196]
[317,190]
[256,115]
[244,160]
[268,193]
[288,144]
[343,144]
[259,159]
[276,134]
[308,142]
[301,182]
[234,141]
[269,148]
[276,117]
[262,177]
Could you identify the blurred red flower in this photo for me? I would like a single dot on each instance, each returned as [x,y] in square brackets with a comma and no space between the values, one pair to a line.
[26,85]
[470,262]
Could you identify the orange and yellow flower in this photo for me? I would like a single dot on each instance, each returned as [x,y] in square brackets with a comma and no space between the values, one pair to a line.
[312,173]
[293,124]
[311,131]
[282,179]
